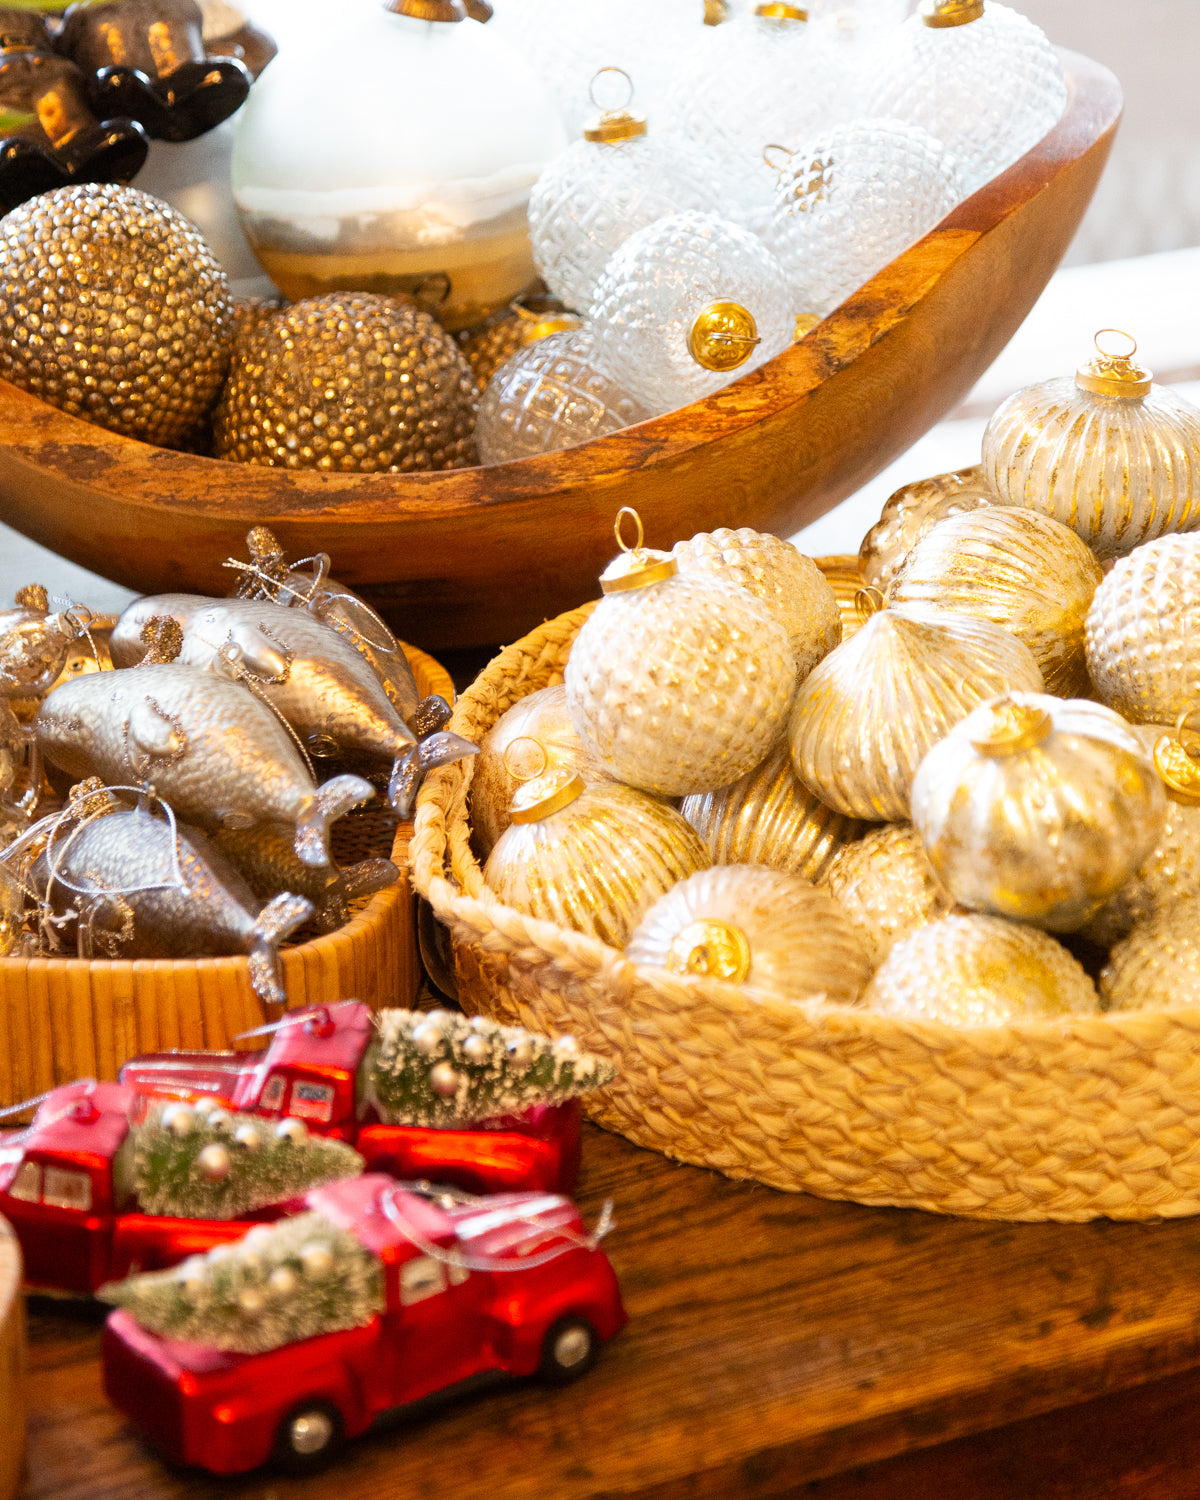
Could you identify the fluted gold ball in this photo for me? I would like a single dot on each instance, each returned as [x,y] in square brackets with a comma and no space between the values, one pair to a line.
[114,309]
[911,513]
[351,382]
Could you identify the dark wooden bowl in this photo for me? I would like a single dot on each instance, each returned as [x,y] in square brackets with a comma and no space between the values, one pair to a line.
[476,556]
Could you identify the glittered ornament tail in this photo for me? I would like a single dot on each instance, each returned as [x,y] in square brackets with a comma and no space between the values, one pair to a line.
[277,920]
[327,803]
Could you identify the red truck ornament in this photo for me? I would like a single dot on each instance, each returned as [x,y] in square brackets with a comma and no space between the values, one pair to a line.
[510,1285]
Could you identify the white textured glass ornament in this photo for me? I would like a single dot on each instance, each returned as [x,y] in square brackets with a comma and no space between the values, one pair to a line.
[550,395]
[850,199]
[1158,965]
[976,74]
[688,304]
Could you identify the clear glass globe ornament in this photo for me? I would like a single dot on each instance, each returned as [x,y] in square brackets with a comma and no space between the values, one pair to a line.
[617,179]
[550,395]
[686,305]
[979,76]
[851,200]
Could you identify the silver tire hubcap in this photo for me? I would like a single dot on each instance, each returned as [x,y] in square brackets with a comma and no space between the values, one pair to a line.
[571,1347]
[311,1432]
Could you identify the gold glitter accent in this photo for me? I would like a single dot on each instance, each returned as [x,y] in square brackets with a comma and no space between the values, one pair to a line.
[1013,727]
[544,795]
[711,947]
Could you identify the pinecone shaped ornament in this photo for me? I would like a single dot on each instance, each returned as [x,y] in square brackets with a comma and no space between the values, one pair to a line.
[977,75]
[1106,452]
[1157,967]
[887,887]
[866,716]
[1038,808]
[591,858]
[688,304]
[677,682]
[791,585]
[770,931]
[911,513]
[979,971]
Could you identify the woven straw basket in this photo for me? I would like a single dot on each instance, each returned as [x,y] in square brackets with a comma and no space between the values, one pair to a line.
[67,1018]
[1069,1120]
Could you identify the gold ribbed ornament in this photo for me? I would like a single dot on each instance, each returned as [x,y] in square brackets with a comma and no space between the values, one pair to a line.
[887,887]
[790,584]
[842,575]
[864,718]
[1158,965]
[524,321]
[1038,808]
[1017,569]
[1105,452]
[770,817]
[114,309]
[1143,632]
[533,736]
[979,971]
[911,512]
[767,930]
[597,861]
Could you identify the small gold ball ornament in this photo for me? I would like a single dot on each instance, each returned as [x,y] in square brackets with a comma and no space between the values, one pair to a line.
[1038,808]
[350,382]
[979,971]
[910,514]
[114,309]
[1158,965]
[525,320]
[887,887]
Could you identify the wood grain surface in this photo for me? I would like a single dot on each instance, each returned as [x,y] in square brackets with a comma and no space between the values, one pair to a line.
[482,555]
[12,1365]
[778,1345]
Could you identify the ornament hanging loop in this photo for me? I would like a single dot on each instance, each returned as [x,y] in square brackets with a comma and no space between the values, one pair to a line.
[524,739]
[1177,760]
[1113,373]
[611,109]
[868,602]
[628,510]
[777,166]
[615,123]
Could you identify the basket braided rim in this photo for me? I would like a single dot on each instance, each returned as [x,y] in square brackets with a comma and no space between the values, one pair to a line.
[1069,1119]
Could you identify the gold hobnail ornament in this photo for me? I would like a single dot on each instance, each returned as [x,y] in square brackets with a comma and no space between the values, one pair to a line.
[911,512]
[979,971]
[1158,965]
[887,887]
[770,817]
[1018,569]
[1105,452]
[773,932]
[1038,808]
[864,718]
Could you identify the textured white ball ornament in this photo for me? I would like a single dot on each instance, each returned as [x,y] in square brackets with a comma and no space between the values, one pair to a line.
[887,887]
[1158,965]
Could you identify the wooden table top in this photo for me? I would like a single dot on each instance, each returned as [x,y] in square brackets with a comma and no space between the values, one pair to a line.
[777,1345]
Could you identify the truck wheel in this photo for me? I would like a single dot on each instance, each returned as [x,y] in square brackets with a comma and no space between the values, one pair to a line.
[308,1437]
[569,1350]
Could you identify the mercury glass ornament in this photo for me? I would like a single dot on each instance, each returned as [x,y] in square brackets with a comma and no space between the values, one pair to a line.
[769,931]
[865,717]
[590,858]
[977,75]
[347,178]
[887,887]
[114,310]
[1157,966]
[526,319]
[849,199]
[979,971]
[548,396]
[1017,569]
[1038,808]
[790,584]
[677,682]
[688,304]
[911,512]
[848,585]
[1107,452]
[770,818]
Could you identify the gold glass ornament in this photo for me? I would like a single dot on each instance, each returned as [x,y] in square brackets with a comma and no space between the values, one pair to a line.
[678,682]
[979,971]
[864,718]
[1038,808]
[1017,569]
[114,309]
[911,512]
[591,858]
[1158,965]
[767,930]
[1107,453]
[886,885]
[770,817]
[350,382]
[525,320]
[791,585]
[842,575]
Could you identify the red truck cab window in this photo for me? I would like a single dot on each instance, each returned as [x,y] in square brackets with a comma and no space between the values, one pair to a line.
[27,1184]
[63,1188]
[312,1101]
[273,1092]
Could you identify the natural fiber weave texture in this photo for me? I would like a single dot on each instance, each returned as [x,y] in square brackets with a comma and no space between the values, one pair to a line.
[1068,1120]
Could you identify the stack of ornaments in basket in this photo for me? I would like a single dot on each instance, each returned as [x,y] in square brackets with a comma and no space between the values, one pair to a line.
[194,750]
[790,161]
[896,806]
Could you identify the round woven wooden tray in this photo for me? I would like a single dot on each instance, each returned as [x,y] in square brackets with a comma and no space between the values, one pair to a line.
[67,1018]
[1070,1120]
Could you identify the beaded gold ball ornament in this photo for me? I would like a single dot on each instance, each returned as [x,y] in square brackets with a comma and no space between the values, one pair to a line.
[115,310]
[886,885]
[1158,965]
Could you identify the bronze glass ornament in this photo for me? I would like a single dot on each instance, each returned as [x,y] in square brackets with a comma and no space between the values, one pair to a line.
[911,512]
[1158,965]
[34,642]
[887,887]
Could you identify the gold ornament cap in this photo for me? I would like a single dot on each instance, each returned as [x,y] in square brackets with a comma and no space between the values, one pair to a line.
[440,10]
[541,316]
[637,567]
[545,794]
[1177,761]
[613,125]
[940,14]
[1114,374]
[775,10]
[1009,727]
[723,336]
[710,947]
